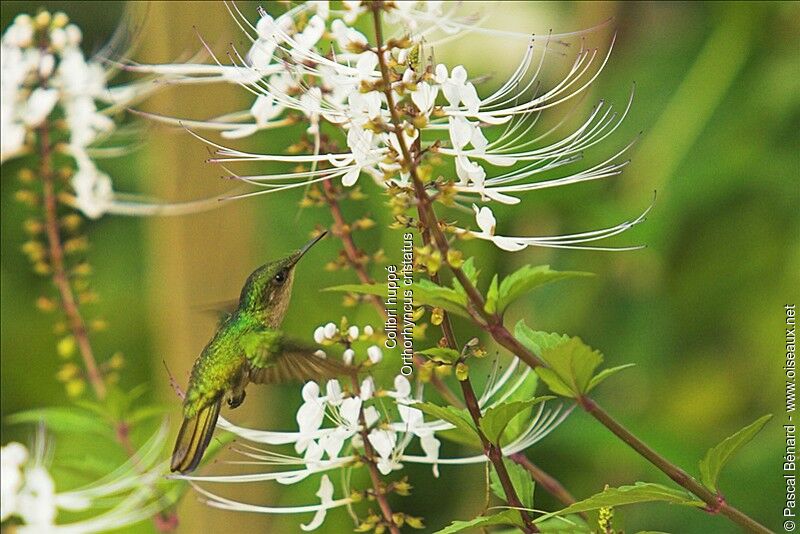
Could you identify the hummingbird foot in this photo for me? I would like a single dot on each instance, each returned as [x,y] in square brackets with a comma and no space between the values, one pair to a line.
[236,399]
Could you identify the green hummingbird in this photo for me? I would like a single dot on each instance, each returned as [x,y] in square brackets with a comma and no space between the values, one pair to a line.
[247,347]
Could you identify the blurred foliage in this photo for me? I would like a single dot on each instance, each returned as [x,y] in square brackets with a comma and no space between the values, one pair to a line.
[700,311]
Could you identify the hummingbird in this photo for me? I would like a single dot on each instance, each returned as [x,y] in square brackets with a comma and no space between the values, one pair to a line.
[247,347]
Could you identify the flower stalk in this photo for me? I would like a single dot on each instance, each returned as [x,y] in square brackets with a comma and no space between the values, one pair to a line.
[60,278]
[493,324]
[492,452]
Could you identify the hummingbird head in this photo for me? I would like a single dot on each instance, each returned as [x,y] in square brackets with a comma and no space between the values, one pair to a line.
[267,291]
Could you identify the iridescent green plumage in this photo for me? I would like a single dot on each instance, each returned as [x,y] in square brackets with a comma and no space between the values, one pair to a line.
[247,347]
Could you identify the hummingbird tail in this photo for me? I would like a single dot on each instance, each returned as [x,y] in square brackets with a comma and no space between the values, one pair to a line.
[194,436]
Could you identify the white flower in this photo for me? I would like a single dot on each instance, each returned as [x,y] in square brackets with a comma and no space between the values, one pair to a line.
[34,84]
[331,330]
[457,89]
[384,442]
[319,334]
[375,354]
[352,332]
[348,355]
[30,494]
[12,457]
[424,97]
[325,493]
[487,224]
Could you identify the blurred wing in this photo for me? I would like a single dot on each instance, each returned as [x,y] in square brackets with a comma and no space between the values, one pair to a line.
[298,363]
[221,310]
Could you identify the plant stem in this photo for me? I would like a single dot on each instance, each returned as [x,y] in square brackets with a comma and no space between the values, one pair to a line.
[340,230]
[374,475]
[715,502]
[495,455]
[492,451]
[60,278]
[549,483]
[71,310]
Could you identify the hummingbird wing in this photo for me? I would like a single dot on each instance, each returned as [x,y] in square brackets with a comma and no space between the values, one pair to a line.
[275,359]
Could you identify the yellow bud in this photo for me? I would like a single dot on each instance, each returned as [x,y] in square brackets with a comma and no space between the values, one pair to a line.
[42,20]
[29,198]
[67,372]
[398,518]
[60,20]
[437,316]
[380,529]
[462,371]
[455,258]
[98,325]
[41,268]
[45,304]
[66,346]
[75,388]
[32,226]
[415,522]
[117,361]
[76,244]
[26,176]
[71,222]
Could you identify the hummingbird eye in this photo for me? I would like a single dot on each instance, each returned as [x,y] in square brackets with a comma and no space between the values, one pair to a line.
[280,278]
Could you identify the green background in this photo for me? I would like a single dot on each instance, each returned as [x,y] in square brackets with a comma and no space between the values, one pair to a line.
[700,311]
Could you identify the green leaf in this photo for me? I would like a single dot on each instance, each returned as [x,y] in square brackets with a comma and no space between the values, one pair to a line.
[492,297]
[718,456]
[528,278]
[605,373]
[537,341]
[458,418]
[572,524]
[520,479]
[638,493]
[441,354]
[570,362]
[525,390]
[497,418]
[63,419]
[506,517]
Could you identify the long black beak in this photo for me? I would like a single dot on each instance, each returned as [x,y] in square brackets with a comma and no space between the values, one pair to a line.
[300,253]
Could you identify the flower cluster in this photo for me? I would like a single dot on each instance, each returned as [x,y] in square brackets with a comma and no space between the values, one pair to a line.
[49,88]
[29,494]
[310,64]
[341,425]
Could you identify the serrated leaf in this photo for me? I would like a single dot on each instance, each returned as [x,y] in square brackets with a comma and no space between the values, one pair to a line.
[458,418]
[718,456]
[492,297]
[520,479]
[537,341]
[506,517]
[605,373]
[63,419]
[496,419]
[442,354]
[640,492]
[570,362]
[528,278]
